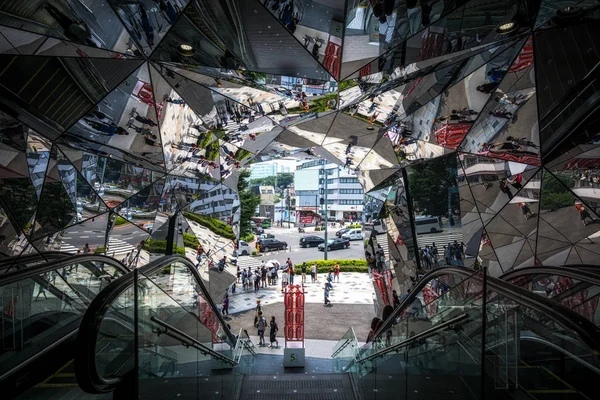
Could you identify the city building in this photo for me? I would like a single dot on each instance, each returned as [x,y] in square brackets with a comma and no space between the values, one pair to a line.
[345,195]
[464,135]
[266,169]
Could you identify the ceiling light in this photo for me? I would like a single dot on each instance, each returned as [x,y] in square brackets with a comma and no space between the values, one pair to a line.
[185,50]
[569,12]
[507,28]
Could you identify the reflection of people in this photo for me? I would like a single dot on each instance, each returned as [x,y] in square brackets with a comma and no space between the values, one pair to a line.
[501,114]
[583,213]
[526,211]
[73,30]
[487,88]
[505,189]
[522,142]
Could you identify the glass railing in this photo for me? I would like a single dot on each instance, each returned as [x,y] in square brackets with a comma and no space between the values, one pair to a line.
[197,357]
[157,322]
[17,263]
[345,351]
[575,288]
[500,345]
[245,356]
[43,306]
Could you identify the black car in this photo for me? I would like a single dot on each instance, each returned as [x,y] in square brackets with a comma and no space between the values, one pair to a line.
[271,244]
[335,244]
[341,232]
[310,241]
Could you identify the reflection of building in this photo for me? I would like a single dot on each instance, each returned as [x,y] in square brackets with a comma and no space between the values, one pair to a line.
[264,170]
[68,175]
[37,163]
[217,203]
[345,196]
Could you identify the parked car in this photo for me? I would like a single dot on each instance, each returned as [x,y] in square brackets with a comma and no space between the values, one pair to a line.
[243,249]
[310,241]
[267,236]
[341,232]
[259,230]
[271,244]
[335,244]
[353,234]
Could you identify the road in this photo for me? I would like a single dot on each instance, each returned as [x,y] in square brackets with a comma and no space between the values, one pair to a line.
[122,239]
[298,254]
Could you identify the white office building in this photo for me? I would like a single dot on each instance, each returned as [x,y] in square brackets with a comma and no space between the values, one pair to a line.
[345,196]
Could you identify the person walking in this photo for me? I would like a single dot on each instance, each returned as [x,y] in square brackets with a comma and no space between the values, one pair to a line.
[326,295]
[273,332]
[291,273]
[261,324]
[303,269]
[313,272]
[258,310]
[86,249]
[225,310]
[336,272]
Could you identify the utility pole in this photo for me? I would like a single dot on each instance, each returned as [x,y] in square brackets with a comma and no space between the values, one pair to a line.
[325,212]
[288,207]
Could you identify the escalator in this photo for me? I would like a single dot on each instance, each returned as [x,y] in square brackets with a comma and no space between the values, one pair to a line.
[42,305]
[576,287]
[470,336]
[175,341]
[14,263]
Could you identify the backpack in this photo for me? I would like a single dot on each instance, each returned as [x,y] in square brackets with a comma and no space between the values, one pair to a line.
[262,322]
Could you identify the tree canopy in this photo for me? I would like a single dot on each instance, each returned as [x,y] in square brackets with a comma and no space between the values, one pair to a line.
[429,184]
[283,179]
[248,202]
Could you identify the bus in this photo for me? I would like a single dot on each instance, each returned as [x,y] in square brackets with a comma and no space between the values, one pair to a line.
[428,224]
[262,222]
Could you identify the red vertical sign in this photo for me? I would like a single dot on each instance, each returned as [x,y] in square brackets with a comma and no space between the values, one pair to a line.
[294,313]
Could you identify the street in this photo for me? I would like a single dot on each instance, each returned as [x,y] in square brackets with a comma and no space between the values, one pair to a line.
[299,254]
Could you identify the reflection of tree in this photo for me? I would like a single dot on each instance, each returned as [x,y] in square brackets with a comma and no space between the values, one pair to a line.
[554,194]
[284,179]
[248,202]
[19,199]
[212,150]
[55,210]
[429,184]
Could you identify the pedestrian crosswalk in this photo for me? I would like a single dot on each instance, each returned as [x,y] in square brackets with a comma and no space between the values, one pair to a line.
[116,247]
[440,239]
[253,262]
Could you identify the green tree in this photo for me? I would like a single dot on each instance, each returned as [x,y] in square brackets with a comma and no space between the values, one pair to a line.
[283,179]
[555,194]
[429,183]
[248,202]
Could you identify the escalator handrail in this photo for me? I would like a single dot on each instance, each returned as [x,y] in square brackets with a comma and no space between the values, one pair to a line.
[584,328]
[9,262]
[58,264]
[419,336]
[570,272]
[86,371]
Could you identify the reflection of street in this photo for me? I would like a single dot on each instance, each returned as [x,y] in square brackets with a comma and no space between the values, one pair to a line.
[441,239]
[298,254]
[122,239]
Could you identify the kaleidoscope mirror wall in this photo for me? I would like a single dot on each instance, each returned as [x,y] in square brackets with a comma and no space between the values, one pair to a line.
[471,125]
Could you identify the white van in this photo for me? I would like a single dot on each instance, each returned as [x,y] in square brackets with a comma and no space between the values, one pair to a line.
[353,234]
[428,224]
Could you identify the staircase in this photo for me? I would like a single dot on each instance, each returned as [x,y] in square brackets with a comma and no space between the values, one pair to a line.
[297,386]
